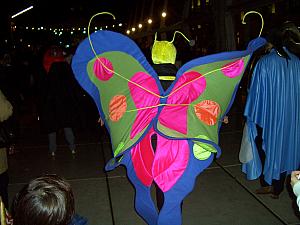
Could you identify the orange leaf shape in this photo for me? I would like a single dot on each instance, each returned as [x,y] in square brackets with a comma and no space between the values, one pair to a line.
[207,111]
[117,107]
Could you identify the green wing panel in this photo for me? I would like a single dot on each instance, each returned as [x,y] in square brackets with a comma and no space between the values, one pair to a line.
[212,88]
[112,76]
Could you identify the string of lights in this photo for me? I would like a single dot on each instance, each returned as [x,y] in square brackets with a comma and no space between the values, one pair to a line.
[59,31]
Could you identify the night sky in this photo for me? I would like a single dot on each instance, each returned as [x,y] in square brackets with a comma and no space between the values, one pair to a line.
[65,12]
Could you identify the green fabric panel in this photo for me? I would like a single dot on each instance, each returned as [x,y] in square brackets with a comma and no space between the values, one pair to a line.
[207,147]
[120,130]
[200,152]
[219,88]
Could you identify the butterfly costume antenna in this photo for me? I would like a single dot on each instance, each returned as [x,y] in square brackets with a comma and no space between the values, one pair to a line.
[262,20]
[89,36]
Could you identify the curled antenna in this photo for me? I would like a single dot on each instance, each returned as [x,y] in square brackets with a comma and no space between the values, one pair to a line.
[97,14]
[181,34]
[104,66]
[262,20]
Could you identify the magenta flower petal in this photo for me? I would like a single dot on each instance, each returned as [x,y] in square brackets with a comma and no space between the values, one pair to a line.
[103,69]
[233,69]
[143,99]
[175,117]
[170,162]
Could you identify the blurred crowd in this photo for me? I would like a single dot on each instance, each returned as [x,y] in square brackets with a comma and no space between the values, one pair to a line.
[24,82]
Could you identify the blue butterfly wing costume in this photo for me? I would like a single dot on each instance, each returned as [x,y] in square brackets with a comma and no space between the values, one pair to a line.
[186,117]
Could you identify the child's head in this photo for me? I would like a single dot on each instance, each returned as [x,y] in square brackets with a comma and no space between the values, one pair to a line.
[46,200]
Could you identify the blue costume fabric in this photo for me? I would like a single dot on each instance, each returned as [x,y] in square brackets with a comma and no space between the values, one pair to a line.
[117,69]
[78,220]
[273,103]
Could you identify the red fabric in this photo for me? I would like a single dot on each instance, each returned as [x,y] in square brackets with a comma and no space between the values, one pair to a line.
[166,166]
[117,107]
[142,157]
[207,111]
[53,54]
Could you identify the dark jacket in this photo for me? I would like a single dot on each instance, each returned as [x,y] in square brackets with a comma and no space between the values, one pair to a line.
[58,100]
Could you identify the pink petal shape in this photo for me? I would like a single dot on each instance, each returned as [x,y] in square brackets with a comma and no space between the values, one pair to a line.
[142,158]
[142,99]
[103,69]
[175,117]
[170,162]
[233,69]
[207,111]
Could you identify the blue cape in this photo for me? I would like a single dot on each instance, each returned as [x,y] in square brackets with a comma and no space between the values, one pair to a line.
[273,103]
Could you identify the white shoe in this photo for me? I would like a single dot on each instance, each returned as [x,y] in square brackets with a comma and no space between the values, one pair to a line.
[53,154]
[73,152]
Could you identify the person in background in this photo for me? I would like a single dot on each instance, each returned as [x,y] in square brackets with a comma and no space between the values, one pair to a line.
[10,87]
[46,200]
[6,111]
[295,176]
[272,112]
[58,100]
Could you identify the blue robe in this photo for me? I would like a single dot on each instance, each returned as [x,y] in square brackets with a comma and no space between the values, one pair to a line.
[273,103]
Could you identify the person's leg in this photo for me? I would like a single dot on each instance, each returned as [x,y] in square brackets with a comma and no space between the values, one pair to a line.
[262,157]
[265,187]
[278,185]
[143,201]
[69,135]
[3,188]
[13,129]
[52,143]
[171,212]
